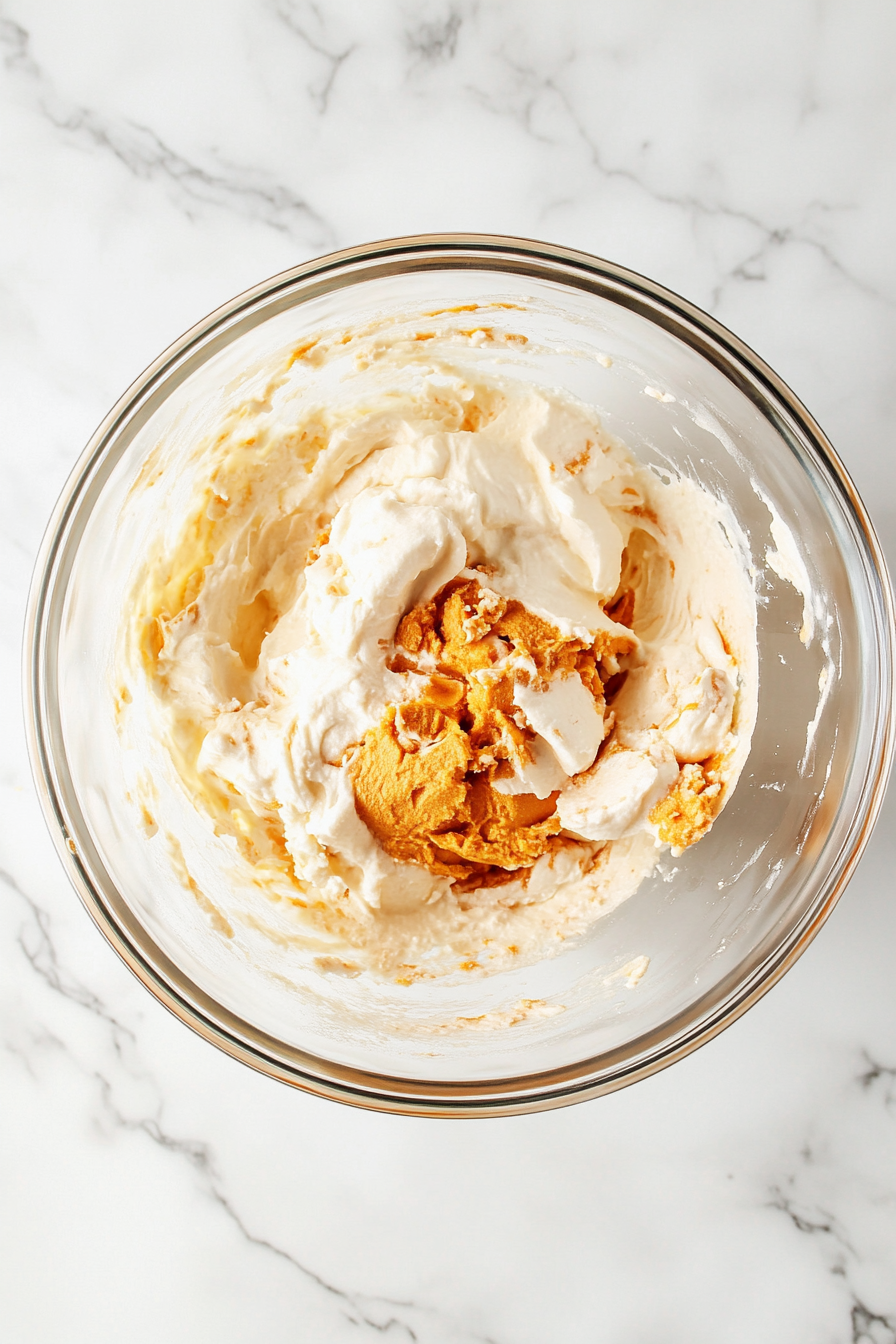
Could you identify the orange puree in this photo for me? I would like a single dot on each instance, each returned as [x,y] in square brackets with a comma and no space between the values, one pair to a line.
[423,777]
[689,809]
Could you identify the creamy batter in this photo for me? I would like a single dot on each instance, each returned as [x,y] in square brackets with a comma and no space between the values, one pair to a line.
[443,662]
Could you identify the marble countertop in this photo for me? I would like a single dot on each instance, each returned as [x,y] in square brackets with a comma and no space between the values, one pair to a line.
[156,159]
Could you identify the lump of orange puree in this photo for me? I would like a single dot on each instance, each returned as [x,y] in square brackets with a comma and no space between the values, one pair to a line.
[418,790]
[428,778]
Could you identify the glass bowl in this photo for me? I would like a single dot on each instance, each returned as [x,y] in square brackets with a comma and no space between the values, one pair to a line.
[715,928]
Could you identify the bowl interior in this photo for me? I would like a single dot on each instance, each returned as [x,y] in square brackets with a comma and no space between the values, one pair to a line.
[712,923]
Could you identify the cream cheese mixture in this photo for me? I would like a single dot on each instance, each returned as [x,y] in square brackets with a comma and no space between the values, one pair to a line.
[445,665]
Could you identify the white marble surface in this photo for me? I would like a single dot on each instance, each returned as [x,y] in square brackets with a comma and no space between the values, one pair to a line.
[157,159]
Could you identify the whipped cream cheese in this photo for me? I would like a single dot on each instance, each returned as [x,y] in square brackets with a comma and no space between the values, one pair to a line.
[441,661]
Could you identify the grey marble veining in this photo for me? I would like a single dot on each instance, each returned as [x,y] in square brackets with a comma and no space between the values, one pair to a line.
[157,159]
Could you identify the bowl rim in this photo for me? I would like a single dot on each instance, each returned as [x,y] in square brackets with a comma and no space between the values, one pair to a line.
[172,987]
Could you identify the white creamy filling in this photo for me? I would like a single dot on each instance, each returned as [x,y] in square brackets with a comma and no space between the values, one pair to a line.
[565,717]
[614,799]
[541,774]
[701,727]
[558,513]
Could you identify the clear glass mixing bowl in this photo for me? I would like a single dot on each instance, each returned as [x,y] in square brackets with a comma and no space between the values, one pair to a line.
[719,925]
